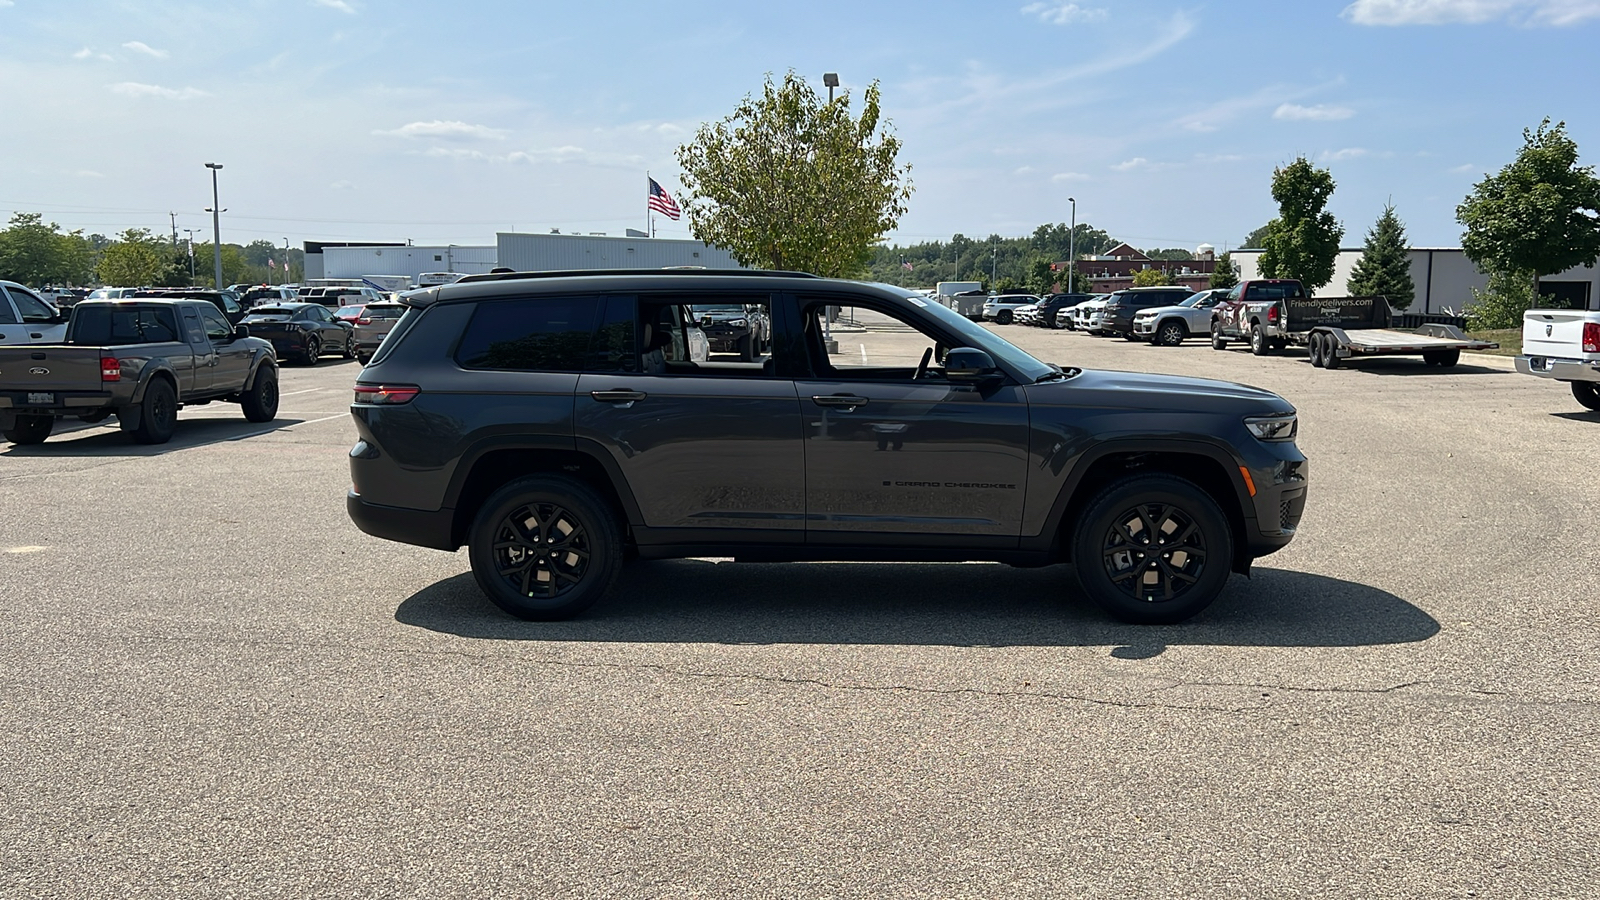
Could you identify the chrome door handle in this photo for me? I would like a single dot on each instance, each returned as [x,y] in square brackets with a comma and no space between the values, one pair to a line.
[621,396]
[846,402]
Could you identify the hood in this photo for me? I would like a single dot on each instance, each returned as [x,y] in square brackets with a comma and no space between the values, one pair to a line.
[1138,390]
[1161,311]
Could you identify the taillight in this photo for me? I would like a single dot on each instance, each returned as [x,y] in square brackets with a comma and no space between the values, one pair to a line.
[386,394]
[110,368]
[1272,314]
[363,321]
[1591,337]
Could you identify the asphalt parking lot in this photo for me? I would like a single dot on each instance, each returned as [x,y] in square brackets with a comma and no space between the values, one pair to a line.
[213,685]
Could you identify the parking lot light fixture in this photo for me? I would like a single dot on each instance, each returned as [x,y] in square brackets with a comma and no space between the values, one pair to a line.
[216,223]
[1072,243]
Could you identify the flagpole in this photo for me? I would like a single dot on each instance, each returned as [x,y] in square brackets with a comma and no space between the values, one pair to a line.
[649,222]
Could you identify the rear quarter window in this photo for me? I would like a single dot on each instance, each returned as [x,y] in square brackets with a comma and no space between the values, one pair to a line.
[535,334]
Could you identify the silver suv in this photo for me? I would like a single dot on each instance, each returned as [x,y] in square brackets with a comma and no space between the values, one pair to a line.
[373,326]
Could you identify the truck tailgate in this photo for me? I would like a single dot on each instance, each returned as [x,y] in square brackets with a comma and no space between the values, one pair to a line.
[49,367]
[1557,333]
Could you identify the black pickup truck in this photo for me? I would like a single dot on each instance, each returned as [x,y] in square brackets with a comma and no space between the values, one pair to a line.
[140,360]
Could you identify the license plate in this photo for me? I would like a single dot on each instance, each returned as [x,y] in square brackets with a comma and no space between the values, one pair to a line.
[41,399]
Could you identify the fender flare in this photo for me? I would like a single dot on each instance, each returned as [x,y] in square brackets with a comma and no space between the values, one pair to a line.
[152,369]
[262,360]
[593,450]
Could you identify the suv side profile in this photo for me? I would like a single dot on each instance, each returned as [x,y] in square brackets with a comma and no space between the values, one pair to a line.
[555,423]
[1123,305]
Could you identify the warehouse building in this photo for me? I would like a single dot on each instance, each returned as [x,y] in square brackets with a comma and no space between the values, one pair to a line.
[360,260]
[1445,280]
[551,252]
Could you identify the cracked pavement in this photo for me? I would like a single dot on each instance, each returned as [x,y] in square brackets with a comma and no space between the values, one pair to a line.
[212,685]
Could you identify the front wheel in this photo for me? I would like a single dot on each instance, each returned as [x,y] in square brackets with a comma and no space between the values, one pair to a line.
[1587,393]
[30,429]
[1153,549]
[545,547]
[747,351]
[1218,342]
[1171,334]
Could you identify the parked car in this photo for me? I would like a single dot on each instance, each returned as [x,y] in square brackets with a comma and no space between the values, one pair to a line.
[226,302]
[349,313]
[1026,314]
[140,360]
[555,426]
[110,293]
[267,295]
[1122,305]
[302,331]
[741,328]
[374,324]
[1091,315]
[1167,326]
[1001,308]
[1068,316]
[1564,345]
[1048,311]
[25,318]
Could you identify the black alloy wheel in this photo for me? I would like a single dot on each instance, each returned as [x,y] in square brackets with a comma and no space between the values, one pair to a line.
[313,351]
[1153,549]
[1003,317]
[30,429]
[1587,393]
[545,547]
[349,345]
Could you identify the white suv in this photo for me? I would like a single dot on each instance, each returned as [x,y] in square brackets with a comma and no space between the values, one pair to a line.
[25,318]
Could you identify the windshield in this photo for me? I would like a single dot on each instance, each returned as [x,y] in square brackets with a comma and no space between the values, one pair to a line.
[346,311]
[975,335]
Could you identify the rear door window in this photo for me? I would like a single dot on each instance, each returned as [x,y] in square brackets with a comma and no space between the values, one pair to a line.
[533,334]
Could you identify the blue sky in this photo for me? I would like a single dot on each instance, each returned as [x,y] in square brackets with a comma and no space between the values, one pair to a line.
[363,119]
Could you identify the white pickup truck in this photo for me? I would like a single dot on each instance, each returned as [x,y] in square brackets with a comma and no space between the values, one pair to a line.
[1564,344]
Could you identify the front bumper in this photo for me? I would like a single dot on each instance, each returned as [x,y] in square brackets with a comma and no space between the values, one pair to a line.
[1144,326]
[1559,369]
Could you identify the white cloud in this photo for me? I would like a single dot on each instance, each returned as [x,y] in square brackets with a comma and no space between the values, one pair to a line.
[1346,153]
[1138,162]
[1471,12]
[146,49]
[446,130]
[1294,112]
[135,89]
[87,53]
[340,5]
[6,3]
[342,185]
[1464,169]
[1060,177]
[1064,13]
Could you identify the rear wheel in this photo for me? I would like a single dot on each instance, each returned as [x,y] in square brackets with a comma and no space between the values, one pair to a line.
[158,413]
[1258,341]
[747,350]
[545,547]
[33,429]
[1442,358]
[313,351]
[1170,334]
[349,346]
[1153,549]
[1587,393]
[260,403]
[1314,349]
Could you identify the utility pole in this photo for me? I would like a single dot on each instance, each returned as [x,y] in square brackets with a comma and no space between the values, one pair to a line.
[190,232]
[174,217]
[216,223]
[994,268]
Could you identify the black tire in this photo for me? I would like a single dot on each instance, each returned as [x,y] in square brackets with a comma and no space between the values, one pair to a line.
[1442,358]
[1258,341]
[1109,555]
[158,413]
[1587,393]
[30,429]
[349,345]
[260,403]
[1170,333]
[313,351]
[1003,317]
[1314,349]
[747,348]
[1330,354]
[1218,342]
[513,562]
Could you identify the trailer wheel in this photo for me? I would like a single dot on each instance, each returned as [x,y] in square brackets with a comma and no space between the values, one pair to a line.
[1587,393]
[1441,358]
[1314,350]
[1258,341]
[1330,353]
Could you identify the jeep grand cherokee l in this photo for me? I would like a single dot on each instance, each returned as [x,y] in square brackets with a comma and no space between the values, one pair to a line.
[552,422]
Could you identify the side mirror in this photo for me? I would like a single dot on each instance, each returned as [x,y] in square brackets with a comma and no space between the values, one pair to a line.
[241,331]
[967,365]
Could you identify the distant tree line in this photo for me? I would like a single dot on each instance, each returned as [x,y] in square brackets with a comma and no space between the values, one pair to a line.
[38,254]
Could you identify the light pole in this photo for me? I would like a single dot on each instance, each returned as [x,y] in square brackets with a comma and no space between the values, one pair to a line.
[216,223]
[994,268]
[285,262]
[191,233]
[831,79]
[1072,243]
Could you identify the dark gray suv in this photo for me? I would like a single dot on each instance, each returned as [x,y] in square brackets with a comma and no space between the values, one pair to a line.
[556,423]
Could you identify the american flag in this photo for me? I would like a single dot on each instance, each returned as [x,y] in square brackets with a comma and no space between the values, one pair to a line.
[908,265]
[661,201]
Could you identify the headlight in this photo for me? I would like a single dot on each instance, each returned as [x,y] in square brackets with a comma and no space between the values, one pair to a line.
[737,323]
[1273,428]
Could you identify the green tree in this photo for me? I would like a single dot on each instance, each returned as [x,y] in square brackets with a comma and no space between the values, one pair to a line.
[1150,278]
[1302,242]
[135,260]
[1224,275]
[1538,215]
[1041,277]
[1502,302]
[792,181]
[37,254]
[1257,239]
[1385,265]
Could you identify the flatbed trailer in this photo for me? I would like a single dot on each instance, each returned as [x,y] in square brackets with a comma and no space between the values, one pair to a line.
[1439,345]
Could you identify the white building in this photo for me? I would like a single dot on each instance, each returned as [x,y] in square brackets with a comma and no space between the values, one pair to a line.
[552,252]
[355,262]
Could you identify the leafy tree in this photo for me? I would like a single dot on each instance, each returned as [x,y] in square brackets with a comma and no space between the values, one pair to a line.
[1302,242]
[1539,215]
[1504,299]
[1257,239]
[1385,265]
[1175,253]
[136,259]
[1007,283]
[1150,278]
[1224,275]
[37,254]
[792,181]
[1041,277]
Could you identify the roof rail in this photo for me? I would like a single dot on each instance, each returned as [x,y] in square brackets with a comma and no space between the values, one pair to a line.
[670,270]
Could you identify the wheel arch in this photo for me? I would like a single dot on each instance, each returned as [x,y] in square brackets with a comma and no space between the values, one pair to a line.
[1210,467]
[153,370]
[487,466]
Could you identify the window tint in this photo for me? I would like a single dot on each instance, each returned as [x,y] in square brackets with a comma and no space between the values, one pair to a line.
[613,349]
[191,325]
[1274,291]
[217,328]
[32,308]
[114,326]
[7,317]
[542,334]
